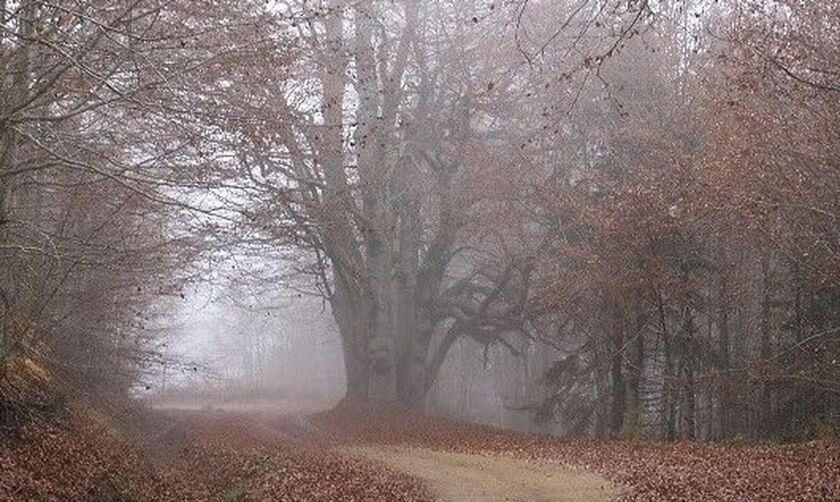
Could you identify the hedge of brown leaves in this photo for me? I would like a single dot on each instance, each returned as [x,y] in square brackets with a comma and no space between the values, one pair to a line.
[649,471]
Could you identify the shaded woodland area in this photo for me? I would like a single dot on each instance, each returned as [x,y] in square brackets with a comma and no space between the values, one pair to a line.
[627,211]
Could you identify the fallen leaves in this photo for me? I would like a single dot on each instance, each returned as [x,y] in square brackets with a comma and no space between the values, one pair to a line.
[238,456]
[68,458]
[271,461]
[200,457]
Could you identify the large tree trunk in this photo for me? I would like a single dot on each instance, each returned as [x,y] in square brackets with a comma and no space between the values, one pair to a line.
[385,357]
[372,227]
[353,333]
[379,309]
[385,343]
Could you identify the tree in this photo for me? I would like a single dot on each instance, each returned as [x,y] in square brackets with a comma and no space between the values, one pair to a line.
[98,148]
[376,181]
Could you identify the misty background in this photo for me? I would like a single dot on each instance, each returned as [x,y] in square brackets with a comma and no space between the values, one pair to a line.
[597,218]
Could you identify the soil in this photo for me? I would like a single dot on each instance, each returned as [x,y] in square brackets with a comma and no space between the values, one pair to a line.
[491,477]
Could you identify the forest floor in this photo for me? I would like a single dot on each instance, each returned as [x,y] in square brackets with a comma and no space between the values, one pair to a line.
[360,453]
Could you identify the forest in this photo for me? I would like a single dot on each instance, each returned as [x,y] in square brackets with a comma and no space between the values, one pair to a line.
[573,228]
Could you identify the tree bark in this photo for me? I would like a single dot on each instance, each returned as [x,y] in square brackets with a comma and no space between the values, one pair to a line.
[371,227]
[766,351]
[634,377]
[668,408]
[353,333]
[723,347]
[15,89]
[619,390]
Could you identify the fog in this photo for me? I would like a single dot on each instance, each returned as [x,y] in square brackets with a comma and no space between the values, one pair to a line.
[416,250]
[236,347]
[578,218]
[544,216]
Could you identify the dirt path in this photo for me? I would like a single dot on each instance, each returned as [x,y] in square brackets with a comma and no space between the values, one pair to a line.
[384,455]
[459,477]
[327,468]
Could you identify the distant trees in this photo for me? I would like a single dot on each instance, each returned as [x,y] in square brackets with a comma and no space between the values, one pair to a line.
[699,229]
[686,279]
[776,136]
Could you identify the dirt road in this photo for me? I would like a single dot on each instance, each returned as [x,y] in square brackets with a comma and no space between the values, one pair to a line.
[461,477]
[366,453]
[381,453]
[269,456]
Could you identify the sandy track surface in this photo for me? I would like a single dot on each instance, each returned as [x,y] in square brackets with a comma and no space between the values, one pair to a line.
[462,477]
